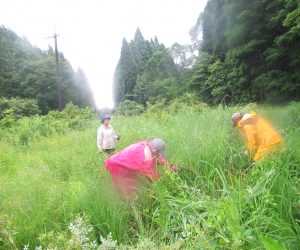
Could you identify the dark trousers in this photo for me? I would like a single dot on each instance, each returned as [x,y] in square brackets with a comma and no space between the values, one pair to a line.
[109,151]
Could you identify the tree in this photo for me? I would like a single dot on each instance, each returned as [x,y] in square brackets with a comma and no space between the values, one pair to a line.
[132,73]
[84,96]
[125,74]
[183,55]
[159,79]
[255,45]
[141,49]
[28,72]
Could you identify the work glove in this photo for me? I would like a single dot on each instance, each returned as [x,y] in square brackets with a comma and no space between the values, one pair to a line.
[174,168]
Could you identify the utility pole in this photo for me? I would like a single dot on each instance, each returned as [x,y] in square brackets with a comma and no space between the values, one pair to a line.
[58,84]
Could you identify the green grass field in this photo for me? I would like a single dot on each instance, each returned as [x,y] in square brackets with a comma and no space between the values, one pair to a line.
[218,200]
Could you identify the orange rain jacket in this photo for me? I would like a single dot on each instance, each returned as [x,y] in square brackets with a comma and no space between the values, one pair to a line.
[261,136]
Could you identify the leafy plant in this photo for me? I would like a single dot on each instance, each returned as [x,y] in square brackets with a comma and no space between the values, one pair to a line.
[129,108]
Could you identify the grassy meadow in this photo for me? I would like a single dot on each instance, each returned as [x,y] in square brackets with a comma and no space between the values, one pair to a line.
[56,193]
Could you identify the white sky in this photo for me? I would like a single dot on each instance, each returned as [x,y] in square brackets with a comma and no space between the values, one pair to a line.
[91,31]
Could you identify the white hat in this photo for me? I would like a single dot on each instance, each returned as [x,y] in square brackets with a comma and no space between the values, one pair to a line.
[158,145]
[237,115]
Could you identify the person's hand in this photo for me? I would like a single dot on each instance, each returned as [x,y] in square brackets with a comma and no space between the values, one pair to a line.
[174,168]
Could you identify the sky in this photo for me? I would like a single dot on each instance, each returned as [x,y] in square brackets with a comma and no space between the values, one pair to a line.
[91,31]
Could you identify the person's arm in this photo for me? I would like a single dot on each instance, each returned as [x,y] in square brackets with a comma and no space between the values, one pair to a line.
[99,140]
[163,161]
[148,165]
[251,136]
[116,137]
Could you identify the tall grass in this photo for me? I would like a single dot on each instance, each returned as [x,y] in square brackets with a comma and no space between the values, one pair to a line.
[218,200]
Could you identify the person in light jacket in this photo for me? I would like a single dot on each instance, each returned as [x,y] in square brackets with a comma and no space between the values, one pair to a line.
[106,136]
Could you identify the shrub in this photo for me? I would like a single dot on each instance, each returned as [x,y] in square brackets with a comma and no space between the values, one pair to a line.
[72,115]
[26,129]
[157,107]
[17,108]
[186,101]
[129,108]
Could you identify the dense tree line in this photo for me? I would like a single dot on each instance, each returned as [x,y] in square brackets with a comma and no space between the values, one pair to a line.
[248,51]
[146,71]
[28,72]
[251,51]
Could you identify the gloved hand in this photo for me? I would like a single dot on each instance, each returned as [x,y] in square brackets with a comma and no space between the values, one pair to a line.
[174,168]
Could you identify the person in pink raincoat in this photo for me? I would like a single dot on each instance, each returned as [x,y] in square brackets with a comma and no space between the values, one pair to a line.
[137,159]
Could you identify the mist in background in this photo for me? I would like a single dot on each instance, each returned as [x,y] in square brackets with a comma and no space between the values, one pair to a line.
[91,31]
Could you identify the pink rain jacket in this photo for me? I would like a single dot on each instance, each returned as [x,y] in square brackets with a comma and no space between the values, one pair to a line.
[133,158]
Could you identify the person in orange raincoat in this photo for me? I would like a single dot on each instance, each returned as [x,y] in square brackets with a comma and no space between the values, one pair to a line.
[260,135]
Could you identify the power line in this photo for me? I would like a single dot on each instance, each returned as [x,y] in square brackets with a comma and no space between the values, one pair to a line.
[58,82]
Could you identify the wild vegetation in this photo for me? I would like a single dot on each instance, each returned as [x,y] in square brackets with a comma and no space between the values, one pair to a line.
[55,191]
[242,51]
[29,72]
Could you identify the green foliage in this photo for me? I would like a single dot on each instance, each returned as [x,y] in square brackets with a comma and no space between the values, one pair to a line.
[188,101]
[16,108]
[84,96]
[218,199]
[272,244]
[27,129]
[125,74]
[253,50]
[129,108]
[28,72]
[133,58]
[248,52]
[145,72]
[183,55]
[159,79]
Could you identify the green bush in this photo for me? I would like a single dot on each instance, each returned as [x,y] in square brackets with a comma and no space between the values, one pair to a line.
[17,108]
[73,116]
[23,130]
[188,101]
[129,108]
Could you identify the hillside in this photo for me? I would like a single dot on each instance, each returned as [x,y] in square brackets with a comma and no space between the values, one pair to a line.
[29,72]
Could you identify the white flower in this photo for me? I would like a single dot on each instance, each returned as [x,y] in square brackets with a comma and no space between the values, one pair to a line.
[80,230]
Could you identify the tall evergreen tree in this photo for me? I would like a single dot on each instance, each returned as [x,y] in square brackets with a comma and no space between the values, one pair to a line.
[141,49]
[132,63]
[159,79]
[125,74]
[84,96]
